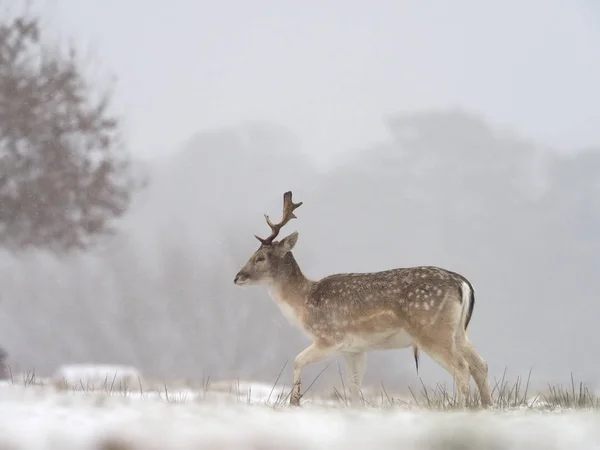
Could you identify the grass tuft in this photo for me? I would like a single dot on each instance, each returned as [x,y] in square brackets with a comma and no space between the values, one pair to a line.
[506,394]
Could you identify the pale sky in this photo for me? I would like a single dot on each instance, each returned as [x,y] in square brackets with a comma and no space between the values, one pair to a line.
[330,71]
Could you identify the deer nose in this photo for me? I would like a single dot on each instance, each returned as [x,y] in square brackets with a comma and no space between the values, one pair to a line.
[239,277]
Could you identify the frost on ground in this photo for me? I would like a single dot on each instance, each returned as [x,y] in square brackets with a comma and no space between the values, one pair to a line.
[42,416]
[97,376]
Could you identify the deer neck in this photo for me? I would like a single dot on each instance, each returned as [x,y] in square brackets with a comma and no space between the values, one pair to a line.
[290,289]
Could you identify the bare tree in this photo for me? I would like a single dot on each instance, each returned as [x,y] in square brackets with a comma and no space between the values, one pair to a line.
[63,174]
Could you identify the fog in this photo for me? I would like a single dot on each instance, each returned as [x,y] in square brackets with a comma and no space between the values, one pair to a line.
[453,136]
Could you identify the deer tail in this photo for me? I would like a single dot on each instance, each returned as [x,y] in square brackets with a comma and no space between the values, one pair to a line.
[468,303]
[416,355]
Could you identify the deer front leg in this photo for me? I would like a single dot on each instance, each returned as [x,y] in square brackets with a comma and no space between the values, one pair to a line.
[356,370]
[316,352]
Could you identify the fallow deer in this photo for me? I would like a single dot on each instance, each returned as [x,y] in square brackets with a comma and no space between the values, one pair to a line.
[424,307]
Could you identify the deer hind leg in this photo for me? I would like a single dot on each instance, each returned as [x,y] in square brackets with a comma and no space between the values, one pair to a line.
[479,371]
[356,363]
[314,353]
[447,354]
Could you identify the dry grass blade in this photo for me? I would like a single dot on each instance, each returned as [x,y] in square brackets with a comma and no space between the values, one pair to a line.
[384,391]
[315,380]
[286,398]
[338,396]
[276,381]
[582,398]
[510,396]
[343,386]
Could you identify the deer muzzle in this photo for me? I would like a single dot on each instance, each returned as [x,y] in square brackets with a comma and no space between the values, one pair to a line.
[240,279]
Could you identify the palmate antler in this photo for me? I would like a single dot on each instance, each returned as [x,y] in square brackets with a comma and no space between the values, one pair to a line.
[288,214]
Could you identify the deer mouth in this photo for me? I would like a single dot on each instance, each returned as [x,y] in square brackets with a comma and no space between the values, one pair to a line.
[241,279]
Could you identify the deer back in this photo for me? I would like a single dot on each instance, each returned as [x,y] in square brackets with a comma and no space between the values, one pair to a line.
[373,302]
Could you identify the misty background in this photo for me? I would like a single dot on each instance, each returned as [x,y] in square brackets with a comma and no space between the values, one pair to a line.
[460,135]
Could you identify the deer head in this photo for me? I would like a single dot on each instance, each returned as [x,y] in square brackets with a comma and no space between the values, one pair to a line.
[266,262]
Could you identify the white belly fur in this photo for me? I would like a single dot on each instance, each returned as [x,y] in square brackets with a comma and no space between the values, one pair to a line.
[351,342]
[376,341]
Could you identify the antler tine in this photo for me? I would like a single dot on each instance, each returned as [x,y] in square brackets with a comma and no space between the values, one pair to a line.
[288,214]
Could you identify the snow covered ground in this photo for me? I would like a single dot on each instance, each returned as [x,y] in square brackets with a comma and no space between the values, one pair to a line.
[242,416]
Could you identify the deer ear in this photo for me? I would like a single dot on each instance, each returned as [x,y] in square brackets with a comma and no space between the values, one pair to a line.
[287,243]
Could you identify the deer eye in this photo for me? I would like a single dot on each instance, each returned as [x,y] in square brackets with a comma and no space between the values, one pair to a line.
[260,258]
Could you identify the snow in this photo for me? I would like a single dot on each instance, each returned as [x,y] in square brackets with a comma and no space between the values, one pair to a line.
[97,376]
[38,416]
